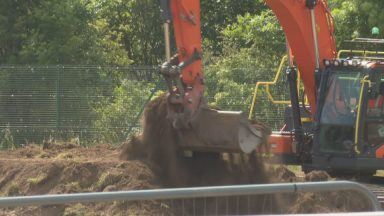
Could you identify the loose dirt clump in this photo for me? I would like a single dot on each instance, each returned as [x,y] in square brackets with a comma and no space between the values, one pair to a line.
[282,174]
[317,176]
[324,202]
[327,202]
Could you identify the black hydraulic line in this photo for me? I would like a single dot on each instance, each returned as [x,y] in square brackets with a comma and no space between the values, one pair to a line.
[297,125]
[321,93]
[310,4]
[320,100]
[165,11]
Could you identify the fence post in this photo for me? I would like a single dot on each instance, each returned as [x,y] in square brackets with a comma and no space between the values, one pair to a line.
[58,98]
[137,118]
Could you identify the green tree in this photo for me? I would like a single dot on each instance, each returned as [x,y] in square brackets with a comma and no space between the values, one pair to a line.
[53,32]
[253,45]
[116,115]
[136,26]
[216,15]
[356,18]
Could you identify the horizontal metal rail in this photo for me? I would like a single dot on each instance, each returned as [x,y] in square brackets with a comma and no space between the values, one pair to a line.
[267,85]
[341,214]
[197,192]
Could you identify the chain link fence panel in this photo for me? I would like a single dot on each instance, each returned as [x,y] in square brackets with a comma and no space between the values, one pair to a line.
[103,104]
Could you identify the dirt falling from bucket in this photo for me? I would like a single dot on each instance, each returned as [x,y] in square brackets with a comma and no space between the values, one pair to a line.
[158,146]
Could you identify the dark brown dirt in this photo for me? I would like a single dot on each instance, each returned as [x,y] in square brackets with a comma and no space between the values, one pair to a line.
[34,170]
[326,202]
[99,169]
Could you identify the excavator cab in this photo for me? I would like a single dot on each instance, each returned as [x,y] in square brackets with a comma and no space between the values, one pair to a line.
[350,126]
[338,113]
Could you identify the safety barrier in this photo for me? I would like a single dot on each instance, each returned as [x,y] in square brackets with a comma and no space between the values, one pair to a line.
[189,193]
[267,85]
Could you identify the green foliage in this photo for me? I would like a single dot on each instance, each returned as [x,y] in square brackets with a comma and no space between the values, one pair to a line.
[39,179]
[216,15]
[116,115]
[117,32]
[6,139]
[253,47]
[107,178]
[13,189]
[135,25]
[356,18]
[262,34]
[53,32]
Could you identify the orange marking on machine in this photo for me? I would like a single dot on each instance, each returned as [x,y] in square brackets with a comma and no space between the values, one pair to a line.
[380,152]
[280,143]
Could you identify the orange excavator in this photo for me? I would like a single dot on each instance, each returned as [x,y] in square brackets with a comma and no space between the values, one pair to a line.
[345,108]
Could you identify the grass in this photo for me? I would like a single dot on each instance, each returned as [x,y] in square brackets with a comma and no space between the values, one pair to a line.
[74,187]
[106,179]
[296,169]
[13,190]
[37,180]
[65,155]
[75,210]
[293,168]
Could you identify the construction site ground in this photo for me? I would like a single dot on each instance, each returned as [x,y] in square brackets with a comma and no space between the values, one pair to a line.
[68,168]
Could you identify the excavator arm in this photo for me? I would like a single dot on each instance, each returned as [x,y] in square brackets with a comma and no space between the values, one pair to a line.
[183,72]
[308,27]
[295,18]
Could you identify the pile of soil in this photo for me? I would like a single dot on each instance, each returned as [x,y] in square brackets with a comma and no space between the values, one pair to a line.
[324,202]
[152,160]
[69,168]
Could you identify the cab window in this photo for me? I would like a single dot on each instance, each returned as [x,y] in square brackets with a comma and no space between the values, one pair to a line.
[339,112]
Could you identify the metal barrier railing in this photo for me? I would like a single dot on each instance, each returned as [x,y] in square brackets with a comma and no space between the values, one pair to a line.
[366,54]
[267,85]
[188,193]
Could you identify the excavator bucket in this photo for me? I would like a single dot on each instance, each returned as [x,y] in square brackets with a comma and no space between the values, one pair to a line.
[220,131]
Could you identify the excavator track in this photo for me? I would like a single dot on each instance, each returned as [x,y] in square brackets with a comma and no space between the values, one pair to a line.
[376,185]
[378,190]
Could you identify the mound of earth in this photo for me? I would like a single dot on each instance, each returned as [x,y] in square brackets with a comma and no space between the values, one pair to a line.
[324,202]
[69,168]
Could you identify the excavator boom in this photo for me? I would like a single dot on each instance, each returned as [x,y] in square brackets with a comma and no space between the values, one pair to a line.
[308,26]
[295,18]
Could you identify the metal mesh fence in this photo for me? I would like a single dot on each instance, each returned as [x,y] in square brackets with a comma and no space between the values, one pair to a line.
[103,104]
